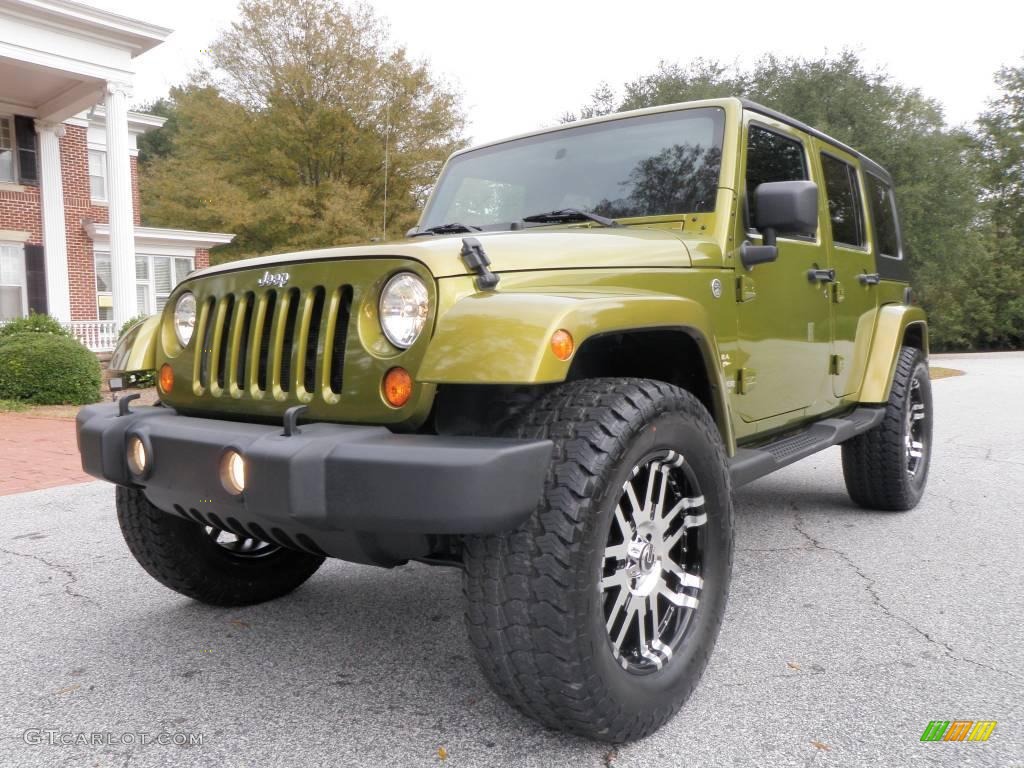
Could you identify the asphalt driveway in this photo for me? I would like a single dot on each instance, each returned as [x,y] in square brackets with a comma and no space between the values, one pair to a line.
[847,632]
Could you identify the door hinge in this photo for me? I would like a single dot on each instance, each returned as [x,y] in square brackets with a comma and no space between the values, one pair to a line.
[835,365]
[745,289]
[838,293]
[746,379]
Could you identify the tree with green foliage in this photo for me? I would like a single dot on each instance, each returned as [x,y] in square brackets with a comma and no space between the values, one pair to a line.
[308,129]
[159,143]
[959,270]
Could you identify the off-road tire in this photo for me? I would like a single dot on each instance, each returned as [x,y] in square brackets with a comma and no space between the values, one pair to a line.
[181,555]
[534,606]
[875,464]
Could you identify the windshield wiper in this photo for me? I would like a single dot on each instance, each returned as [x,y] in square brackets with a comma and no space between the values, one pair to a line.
[570,214]
[445,229]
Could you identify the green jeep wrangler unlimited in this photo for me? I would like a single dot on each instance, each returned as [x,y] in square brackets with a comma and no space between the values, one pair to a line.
[594,335]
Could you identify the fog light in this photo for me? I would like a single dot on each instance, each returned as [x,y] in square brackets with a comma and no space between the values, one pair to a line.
[562,344]
[397,387]
[166,378]
[232,472]
[138,459]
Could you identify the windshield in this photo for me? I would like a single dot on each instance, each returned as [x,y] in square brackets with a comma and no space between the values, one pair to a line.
[651,165]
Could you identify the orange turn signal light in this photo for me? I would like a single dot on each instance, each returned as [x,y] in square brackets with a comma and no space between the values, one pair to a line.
[166,378]
[562,344]
[397,387]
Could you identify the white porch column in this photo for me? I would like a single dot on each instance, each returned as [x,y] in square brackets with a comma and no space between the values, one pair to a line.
[55,241]
[119,197]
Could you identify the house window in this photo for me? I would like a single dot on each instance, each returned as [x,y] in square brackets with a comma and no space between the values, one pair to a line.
[168,271]
[7,165]
[13,290]
[97,174]
[104,287]
[155,278]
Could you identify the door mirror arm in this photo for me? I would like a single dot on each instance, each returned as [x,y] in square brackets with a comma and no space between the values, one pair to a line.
[789,206]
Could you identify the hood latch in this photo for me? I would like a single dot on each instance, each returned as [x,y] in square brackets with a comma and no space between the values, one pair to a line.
[476,260]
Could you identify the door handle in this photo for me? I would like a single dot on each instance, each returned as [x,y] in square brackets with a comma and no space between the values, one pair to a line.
[872,278]
[821,275]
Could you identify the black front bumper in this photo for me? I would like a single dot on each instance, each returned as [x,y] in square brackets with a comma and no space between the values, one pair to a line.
[327,479]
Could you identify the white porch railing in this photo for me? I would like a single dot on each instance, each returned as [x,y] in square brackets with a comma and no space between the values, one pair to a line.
[97,335]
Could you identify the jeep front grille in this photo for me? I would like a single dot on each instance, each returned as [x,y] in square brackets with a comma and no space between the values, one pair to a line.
[279,340]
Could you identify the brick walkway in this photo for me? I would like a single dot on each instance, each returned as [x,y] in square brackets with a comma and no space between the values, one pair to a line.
[38,452]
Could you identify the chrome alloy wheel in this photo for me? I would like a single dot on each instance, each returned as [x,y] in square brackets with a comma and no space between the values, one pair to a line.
[653,560]
[914,432]
[241,546]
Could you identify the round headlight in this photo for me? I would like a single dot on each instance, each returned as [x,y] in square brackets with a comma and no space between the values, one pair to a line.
[185,318]
[404,305]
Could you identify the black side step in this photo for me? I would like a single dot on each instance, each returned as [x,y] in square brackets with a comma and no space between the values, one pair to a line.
[751,463]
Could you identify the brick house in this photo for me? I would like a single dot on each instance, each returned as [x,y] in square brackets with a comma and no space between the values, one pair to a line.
[71,243]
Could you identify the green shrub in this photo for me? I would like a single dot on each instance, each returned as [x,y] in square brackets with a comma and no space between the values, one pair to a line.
[34,324]
[47,369]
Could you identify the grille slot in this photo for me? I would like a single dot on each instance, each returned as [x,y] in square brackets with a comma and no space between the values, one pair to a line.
[288,340]
[269,304]
[207,321]
[340,338]
[316,317]
[245,317]
[223,342]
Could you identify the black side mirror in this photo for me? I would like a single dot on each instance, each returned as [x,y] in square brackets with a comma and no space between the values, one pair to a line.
[790,207]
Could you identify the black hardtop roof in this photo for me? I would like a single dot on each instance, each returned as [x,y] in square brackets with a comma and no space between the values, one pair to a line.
[866,162]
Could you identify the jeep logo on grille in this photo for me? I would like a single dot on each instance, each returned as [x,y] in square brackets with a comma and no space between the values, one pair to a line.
[277,279]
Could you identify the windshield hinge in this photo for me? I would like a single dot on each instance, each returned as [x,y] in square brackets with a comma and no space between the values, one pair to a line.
[476,260]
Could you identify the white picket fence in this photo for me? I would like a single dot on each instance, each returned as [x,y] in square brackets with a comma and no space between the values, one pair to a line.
[97,335]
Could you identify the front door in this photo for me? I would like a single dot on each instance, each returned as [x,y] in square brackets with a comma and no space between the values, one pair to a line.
[783,315]
[854,293]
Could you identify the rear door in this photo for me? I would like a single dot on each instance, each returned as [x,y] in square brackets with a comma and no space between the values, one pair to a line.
[854,291]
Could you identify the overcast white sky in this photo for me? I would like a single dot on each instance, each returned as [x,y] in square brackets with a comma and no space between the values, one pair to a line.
[521,64]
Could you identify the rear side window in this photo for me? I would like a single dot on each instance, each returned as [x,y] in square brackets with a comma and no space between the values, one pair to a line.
[844,205]
[771,157]
[883,217]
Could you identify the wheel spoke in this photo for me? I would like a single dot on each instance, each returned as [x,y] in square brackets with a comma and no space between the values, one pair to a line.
[686,579]
[645,648]
[618,579]
[690,521]
[616,611]
[625,526]
[653,471]
[631,495]
[916,449]
[917,412]
[695,502]
[631,611]
[678,598]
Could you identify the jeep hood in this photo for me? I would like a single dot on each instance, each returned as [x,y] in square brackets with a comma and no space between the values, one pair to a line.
[523,250]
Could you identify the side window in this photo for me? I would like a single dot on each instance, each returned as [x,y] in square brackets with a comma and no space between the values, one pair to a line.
[771,157]
[883,217]
[844,206]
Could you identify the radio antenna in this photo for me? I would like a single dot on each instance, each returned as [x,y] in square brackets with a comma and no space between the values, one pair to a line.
[387,142]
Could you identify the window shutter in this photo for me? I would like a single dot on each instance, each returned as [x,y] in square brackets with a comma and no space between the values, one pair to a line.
[26,139]
[35,279]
